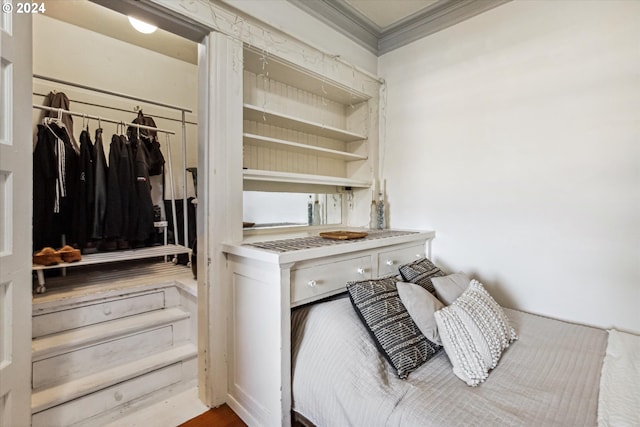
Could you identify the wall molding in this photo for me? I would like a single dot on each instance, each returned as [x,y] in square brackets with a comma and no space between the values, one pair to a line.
[344,18]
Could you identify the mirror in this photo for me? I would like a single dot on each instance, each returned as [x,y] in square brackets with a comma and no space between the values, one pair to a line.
[267,209]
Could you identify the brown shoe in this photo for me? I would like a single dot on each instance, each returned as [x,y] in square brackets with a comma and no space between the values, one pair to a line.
[69,254]
[47,256]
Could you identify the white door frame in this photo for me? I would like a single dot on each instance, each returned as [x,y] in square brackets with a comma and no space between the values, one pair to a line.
[15,216]
[219,211]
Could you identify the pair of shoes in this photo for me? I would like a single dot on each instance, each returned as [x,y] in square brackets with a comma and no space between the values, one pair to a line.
[49,256]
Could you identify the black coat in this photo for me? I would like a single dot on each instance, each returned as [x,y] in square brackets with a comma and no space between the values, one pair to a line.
[84,199]
[100,188]
[55,175]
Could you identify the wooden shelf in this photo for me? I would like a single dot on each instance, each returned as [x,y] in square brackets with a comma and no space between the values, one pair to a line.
[262,115]
[116,256]
[301,178]
[296,76]
[296,147]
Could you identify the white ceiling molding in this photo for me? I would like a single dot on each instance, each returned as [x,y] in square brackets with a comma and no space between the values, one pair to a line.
[343,17]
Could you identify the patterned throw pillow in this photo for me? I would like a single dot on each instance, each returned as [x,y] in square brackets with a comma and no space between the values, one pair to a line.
[474,331]
[420,272]
[397,337]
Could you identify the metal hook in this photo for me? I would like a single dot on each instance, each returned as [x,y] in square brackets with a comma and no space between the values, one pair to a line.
[99,123]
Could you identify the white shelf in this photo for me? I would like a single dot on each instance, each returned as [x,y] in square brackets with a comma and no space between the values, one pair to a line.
[301,178]
[263,115]
[296,147]
[120,255]
[293,75]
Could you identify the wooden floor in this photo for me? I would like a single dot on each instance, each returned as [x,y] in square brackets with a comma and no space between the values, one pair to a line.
[217,417]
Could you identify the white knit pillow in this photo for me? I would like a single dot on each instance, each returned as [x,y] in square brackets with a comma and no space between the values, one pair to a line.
[474,331]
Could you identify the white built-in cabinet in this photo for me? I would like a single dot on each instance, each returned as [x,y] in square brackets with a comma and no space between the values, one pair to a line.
[264,285]
[300,128]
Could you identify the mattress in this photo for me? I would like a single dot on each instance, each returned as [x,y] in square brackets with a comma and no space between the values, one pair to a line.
[549,377]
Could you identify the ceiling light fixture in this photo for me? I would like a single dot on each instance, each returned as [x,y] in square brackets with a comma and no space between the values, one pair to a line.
[143,27]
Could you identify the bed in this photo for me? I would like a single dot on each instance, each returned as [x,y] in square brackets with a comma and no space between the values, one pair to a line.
[550,376]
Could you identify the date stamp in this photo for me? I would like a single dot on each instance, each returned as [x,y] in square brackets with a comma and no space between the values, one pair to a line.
[24,7]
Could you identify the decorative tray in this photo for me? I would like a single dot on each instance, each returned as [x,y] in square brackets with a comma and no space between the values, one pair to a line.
[343,235]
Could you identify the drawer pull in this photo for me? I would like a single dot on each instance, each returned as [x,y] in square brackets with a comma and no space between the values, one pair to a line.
[118,396]
[360,270]
[106,310]
[312,283]
[390,262]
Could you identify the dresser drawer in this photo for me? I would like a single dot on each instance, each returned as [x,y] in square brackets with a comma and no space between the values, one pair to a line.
[109,398]
[96,312]
[327,278]
[389,261]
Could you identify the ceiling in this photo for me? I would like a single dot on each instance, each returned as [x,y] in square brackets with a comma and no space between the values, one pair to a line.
[384,25]
[102,20]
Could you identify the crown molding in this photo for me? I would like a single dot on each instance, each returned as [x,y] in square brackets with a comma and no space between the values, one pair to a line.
[344,18]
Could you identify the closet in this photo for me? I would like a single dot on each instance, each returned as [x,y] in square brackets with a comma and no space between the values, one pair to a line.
[96,242]
[116,331]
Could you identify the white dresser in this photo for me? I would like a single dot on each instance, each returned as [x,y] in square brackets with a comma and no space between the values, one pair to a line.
[267,279]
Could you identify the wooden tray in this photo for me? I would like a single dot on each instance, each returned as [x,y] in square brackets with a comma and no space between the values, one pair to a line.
[343,235]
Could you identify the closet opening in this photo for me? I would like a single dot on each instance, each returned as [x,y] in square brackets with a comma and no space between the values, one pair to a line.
[115,199]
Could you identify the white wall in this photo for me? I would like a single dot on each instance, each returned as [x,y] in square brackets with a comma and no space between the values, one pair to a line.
[516,136]
[71,53]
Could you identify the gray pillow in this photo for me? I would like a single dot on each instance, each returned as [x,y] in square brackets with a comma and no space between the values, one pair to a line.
[450,287]
[474,331]
[421,305]
[421,273]
[395,334]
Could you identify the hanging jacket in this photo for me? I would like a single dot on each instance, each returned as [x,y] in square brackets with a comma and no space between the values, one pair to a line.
[83,210]
[128,191]
[114,216]
[155,159]
[60,100]
[100,188]
[54,179]
[144,204]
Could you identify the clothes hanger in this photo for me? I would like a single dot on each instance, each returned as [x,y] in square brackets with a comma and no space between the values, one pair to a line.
[47,121]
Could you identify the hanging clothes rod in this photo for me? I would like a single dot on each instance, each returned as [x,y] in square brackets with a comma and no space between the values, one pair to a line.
[92,104]
[99,118]
[109,92]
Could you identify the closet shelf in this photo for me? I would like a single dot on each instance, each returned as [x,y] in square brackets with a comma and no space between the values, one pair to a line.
[108,257]
[296,147]
[118,256]
[302,178]
[263,115]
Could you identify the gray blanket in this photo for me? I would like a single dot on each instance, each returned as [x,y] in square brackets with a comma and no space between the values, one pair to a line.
[549,377]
